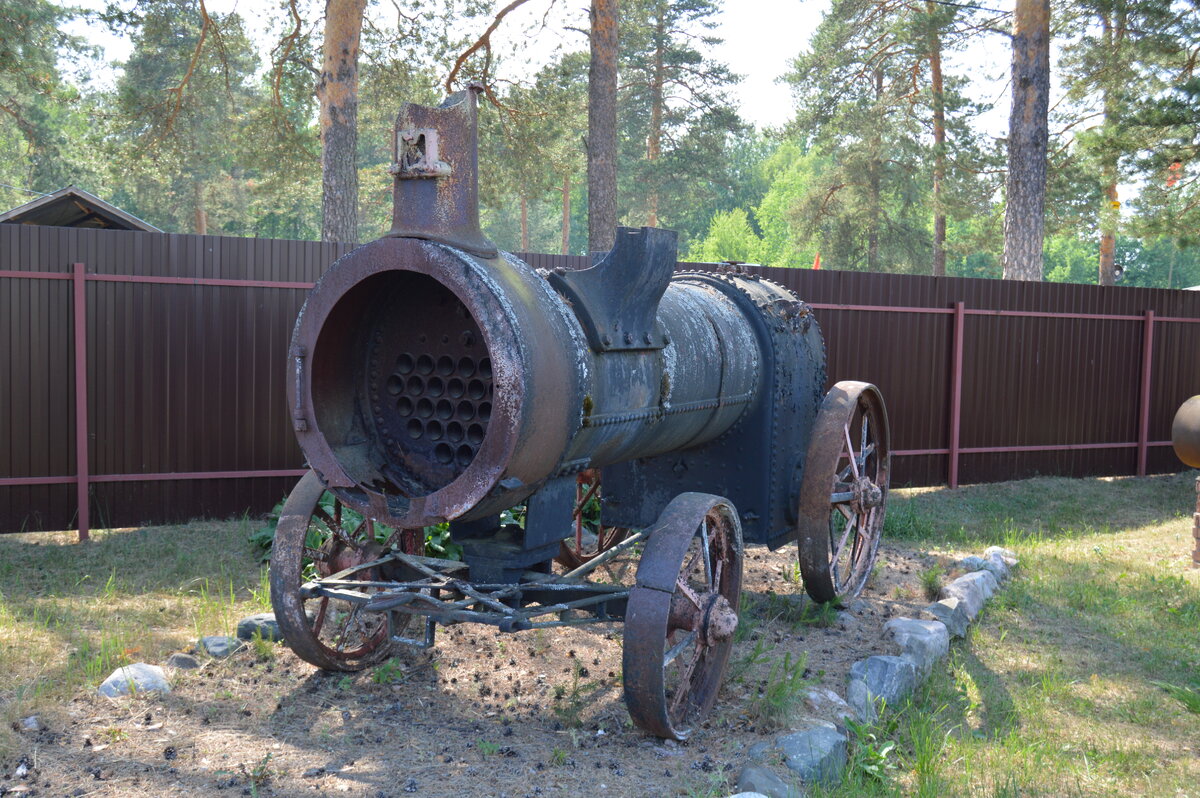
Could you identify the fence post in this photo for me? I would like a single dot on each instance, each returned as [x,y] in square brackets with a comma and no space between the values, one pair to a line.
[1144,396]
[956,391]
[79,285]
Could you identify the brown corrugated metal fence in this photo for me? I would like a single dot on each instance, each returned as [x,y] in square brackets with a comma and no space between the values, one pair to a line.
[185,373]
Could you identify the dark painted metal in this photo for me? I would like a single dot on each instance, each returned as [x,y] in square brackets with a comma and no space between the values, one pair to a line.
[616,300]
[172,362]
[956,374]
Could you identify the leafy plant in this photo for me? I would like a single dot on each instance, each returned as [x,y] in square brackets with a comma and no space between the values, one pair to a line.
[931,581]
[778,697]
[257,776]
[871,751]
[487,748]
[390,672]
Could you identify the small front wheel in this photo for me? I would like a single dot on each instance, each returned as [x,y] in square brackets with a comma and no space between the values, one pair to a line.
[682,614]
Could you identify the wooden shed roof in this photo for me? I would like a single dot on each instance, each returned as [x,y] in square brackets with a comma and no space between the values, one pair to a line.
[74,207]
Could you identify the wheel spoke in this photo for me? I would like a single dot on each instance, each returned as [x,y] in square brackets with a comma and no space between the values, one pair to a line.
[319,621]
[850,450]
[850,525]
[685,681]
[675,650]
[686,590]
[705,551]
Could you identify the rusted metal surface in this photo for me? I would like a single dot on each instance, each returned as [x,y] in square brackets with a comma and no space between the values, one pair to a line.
[1033,355]
[590,539]
[682,614]
[1185,432]
[843,496]
[330,633]
[436,195]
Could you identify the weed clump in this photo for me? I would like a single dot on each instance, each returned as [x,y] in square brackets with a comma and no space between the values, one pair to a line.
[780,693]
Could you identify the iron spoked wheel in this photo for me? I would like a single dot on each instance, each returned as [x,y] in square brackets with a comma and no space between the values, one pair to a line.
[682,614]
[316,538]
[585,544]
[843,496]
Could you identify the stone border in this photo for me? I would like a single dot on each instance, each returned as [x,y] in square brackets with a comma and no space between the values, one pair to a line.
[816,749]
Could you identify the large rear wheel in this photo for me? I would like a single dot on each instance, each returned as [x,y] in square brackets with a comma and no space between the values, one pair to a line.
[843,495]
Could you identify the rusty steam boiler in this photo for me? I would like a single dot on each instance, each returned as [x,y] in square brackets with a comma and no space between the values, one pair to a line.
[435,379]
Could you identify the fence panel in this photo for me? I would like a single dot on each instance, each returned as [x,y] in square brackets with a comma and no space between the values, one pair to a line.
[186,379]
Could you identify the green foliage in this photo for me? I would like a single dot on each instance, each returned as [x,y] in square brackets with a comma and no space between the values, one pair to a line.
[872,751]
[931,581]
[1186,695]
[779,696]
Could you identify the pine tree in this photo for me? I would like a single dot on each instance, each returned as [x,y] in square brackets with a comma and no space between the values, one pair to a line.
[677,120]
[182,97]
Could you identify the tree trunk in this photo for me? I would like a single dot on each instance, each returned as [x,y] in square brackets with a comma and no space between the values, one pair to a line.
[1112,32]
[1109,216]
[201,215]
[1028,134]
[566,215]
[654,139]
[338,93]
[874,183]
[524,224]
[602,127]
[938,98]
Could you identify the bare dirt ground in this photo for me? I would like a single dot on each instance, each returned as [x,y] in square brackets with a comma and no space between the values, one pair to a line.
[482,714]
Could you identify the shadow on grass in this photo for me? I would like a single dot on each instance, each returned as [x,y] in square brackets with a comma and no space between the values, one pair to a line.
[1039,508]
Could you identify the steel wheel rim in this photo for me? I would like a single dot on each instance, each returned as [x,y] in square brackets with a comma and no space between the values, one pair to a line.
[682,614]
[844,495]
[322,631]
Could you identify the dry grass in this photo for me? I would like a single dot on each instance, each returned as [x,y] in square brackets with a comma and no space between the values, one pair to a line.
[70,614]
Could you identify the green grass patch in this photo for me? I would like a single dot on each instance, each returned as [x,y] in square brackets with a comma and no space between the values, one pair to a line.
[1079,678]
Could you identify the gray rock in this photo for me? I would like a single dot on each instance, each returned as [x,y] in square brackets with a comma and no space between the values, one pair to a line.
[816,752]
[972,563]
[951,612]
[1009,557]
[220,646]
[922,643]
[31,724]
[758,752]
[823,703]
[972,590]
[262,624]
[756,778]
[138,677]
[880,678]
[185,662]
[749,795]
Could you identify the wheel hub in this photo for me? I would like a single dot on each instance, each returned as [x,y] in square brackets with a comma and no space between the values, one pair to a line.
[339,555]
[711,615]
[866,494]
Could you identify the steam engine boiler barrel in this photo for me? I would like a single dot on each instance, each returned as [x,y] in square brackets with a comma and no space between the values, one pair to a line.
[431,384]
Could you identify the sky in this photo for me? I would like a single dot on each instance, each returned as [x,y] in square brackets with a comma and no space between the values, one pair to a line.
[761,37]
